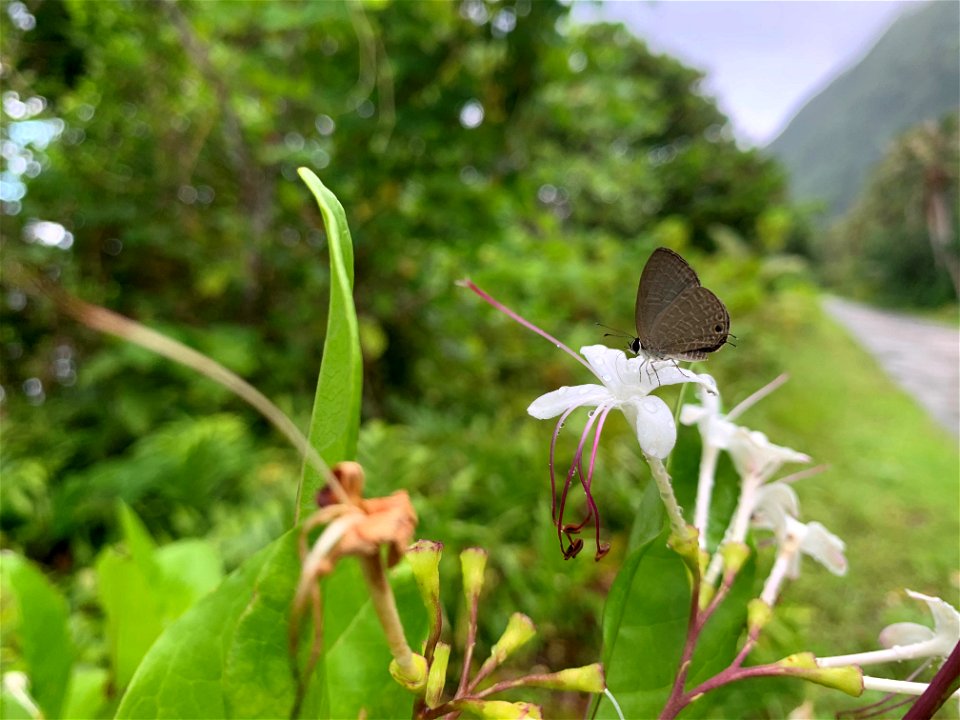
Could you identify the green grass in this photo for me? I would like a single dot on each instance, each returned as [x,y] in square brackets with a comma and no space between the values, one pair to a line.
[892,491]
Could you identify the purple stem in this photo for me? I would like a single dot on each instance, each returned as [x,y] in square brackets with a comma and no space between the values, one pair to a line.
[553,447]
[939,690]
[574,545]
[602,549]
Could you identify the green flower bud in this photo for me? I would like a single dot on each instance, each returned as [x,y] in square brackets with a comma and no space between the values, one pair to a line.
[758,615]
[438,675]
[415,678]
[498,709]
[473,561]
[588,678]
[684,543]
[706,594]
[734,556]
[848,678]
[520,630]
[424,559]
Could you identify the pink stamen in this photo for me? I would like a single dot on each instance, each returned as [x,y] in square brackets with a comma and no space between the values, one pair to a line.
[553,447]
[602,548]
[469,284]
[574,467]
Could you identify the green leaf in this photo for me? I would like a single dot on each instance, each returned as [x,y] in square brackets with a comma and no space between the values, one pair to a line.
[35,617]
[336,407]
[642,660]
[183,674]
[87,692]
[646,528]
[358,659]
[133,614]
[142,589]
[228,656]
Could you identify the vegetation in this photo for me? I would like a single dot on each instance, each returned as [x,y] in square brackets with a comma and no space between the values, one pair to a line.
[899,245]
[909,76]
[486,139]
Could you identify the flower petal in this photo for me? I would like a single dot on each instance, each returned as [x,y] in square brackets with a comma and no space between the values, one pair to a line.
[754,454]
[692,414]
[653,421]
[905,633]
[559,401]
[669,373]
[775,503]
[825,547]
[946,620]
[622,376]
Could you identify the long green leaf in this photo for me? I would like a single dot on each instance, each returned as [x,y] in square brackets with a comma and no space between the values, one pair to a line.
[335,421]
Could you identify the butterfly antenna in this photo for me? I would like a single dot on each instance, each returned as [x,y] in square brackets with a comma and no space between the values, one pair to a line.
[615,332]
[731,344]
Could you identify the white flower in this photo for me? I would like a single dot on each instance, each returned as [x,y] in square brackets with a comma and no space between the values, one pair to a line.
[775,503]
[755,456]
[715,429]
[938,642]
[627,384]
[776,509]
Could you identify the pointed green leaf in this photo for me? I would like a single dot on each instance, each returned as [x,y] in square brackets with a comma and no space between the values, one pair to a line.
[336,407]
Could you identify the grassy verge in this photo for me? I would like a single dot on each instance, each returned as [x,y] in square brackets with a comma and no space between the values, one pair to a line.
[891,493]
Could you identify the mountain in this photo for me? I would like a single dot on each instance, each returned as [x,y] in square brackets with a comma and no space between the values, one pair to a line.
[911,74]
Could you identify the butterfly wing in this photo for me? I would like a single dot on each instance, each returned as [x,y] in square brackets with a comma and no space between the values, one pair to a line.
[695,323]
[664,278]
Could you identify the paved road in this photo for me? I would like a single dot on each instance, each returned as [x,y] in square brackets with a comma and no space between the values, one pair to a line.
[923,357]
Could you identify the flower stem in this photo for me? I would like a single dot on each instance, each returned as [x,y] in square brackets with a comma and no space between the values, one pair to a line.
[386,607]
[662,479]
[708,471]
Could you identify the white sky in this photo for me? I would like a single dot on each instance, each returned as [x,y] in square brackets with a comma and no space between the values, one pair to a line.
[763,60]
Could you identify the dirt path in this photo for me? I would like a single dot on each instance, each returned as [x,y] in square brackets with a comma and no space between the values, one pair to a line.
[923,357]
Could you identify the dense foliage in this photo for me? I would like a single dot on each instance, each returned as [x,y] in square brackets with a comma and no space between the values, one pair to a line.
[909,76]
[899,245]
[492,143]
[491,139]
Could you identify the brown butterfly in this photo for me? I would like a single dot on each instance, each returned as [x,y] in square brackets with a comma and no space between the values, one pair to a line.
[677,318]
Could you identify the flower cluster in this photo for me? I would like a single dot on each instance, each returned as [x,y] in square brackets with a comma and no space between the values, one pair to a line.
[765,503]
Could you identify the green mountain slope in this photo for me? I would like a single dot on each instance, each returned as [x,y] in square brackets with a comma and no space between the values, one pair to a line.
[911,74]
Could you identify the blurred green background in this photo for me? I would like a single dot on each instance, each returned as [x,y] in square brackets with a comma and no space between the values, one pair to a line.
[156,146]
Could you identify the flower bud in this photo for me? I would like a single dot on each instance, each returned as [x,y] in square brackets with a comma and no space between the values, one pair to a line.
[414,678]
[520,630]
[588,678]
[473,561]
[848,678]
[734,555]
[758,615]
[684,543]
[438,675]
[499,709]
[424,559]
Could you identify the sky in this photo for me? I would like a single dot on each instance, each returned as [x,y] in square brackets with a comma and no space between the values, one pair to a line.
[763,60]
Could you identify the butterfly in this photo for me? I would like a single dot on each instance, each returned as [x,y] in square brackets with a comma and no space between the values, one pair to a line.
[677,318]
